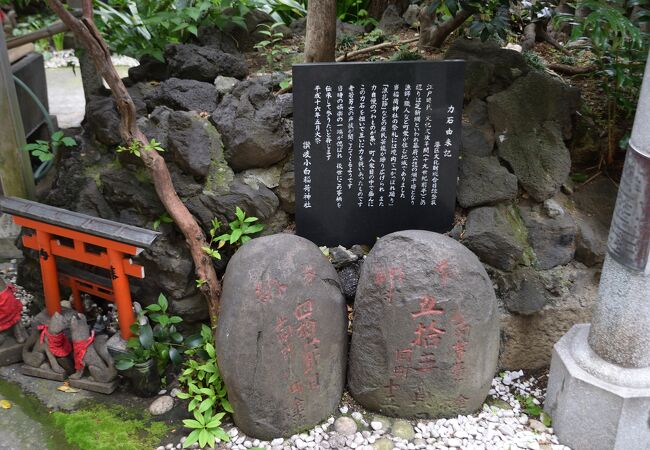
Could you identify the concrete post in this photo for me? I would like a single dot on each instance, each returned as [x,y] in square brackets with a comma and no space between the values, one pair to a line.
[599,384]
[15,169]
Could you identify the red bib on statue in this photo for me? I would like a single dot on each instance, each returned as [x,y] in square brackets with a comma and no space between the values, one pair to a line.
[10,308]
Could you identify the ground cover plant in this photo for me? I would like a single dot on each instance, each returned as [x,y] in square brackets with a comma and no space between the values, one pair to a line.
[109,428]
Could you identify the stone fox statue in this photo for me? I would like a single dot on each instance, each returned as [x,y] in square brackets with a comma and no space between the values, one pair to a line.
[90,353]
[10,310]
[49,346]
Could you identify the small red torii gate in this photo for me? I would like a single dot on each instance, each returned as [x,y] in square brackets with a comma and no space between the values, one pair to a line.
[56,232]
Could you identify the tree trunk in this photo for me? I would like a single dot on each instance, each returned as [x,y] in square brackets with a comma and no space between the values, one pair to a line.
[86,32]
[320,42]
[377,7]
[432,35]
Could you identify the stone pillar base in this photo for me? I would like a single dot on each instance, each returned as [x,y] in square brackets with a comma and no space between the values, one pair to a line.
[595,404]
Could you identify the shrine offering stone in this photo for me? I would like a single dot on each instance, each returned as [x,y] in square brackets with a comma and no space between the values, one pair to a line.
[376,148]
[282,336]
[425,336]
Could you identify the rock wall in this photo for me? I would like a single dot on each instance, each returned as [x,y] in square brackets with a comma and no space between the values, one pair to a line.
[228,141]
[542,242]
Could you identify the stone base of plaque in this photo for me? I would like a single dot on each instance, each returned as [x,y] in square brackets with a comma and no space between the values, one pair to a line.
[11,354]
[94,386]
[595,404]
[42,373]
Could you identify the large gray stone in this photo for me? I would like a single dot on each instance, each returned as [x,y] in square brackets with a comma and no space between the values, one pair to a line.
[522,291]
[194,143]
[498,237]
[391,21]
[553,239]
[539,159]
[187,95]
[489,68]
[254,130]
[192,62]
[425,333]
[149,69]
[281,339]
[477,135]
[596,405]
[484,181]
[532,101]
[569,293]
[257,200]
[531,120]
[285,190]
[591,242]
[102,117]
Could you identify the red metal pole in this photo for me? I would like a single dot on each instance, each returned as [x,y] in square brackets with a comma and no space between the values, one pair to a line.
[122,293]
[48,272]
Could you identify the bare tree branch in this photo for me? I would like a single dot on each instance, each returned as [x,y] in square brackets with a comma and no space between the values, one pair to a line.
[89,36]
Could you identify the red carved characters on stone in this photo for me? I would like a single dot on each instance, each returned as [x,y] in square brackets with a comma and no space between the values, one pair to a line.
[283,331]
[269,289]
[391,277]
[427,336]
[309,274]
[427,307]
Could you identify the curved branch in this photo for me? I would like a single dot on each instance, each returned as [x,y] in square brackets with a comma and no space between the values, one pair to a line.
[432,36]
[87,33]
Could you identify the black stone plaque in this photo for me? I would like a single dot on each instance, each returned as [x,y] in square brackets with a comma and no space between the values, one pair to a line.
[376,148]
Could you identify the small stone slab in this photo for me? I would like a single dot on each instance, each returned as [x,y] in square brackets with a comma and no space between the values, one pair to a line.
[11,354]
[425,337]
[42,373]
[94,386]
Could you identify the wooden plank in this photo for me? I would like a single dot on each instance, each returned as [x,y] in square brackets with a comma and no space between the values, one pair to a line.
[16,53]
[15,168]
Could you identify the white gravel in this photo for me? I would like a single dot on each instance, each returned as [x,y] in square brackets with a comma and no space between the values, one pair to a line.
[501,424]
[66,58]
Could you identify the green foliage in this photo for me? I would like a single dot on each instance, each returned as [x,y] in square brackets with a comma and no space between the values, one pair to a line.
[109,427]
[282,10]
[375,37]
[271,46]
[534,60]
[405,54]
[135,147]
[355,11]
[346,42]
[205,389]
[241,230]
[33,22]
[619,46]
[44,150]
[164,218]
[533,409]
[159,342]
[144,27]
[489,18]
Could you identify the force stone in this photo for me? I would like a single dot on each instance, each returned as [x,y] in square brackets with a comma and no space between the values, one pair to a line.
[426,335]
[281,336]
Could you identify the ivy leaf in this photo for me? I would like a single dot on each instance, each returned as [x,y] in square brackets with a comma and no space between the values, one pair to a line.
[174,356]
[124,364]
[146,336]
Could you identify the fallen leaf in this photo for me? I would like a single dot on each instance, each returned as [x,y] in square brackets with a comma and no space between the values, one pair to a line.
[67,389]
[5,404]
